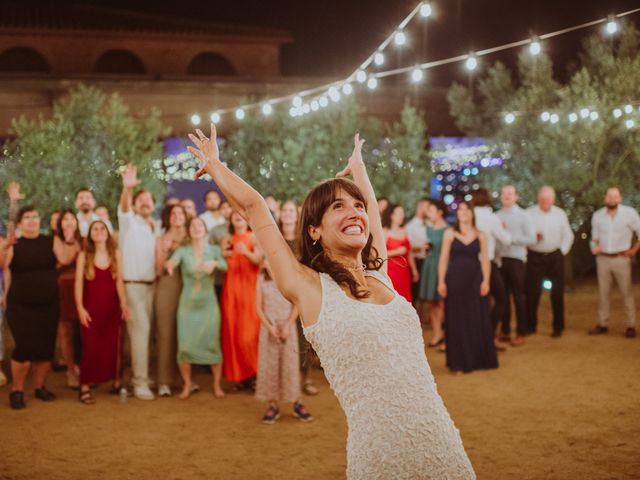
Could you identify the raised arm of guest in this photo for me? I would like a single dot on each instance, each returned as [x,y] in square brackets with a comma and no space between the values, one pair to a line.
[129,182]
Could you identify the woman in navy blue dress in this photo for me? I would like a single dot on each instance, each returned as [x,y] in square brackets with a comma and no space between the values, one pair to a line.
[463,281]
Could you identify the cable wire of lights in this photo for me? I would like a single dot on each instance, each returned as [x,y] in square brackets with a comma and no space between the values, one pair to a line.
[332,90]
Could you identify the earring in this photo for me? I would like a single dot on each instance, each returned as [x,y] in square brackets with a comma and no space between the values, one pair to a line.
[314,242]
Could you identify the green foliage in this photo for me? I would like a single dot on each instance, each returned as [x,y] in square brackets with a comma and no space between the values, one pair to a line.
[89,137]
[285,156]
[580,160]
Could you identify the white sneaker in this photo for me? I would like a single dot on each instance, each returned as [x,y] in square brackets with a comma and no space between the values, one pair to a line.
[3,379]
[143,393]
[164,391]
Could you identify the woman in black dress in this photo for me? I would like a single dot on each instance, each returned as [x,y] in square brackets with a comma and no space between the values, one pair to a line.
[463,281]
[32,300]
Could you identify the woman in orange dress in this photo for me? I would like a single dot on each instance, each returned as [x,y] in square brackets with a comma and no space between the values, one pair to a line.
[240,322]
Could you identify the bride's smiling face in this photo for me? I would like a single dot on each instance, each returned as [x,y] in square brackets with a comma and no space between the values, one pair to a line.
[344,225]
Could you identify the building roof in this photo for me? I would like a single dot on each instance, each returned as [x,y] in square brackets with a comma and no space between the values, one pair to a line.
[58,16]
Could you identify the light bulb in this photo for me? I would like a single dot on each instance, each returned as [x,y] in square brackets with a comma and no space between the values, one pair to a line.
[594,116]
[471,62]
[215,117]
[617,113]
[195,119]
[297,101]
[400,38]
[372,83]
[425,10]
[239,114]
[378,58]
[509,118]
[612,26]
[534,47]
[628,109]
[293,111]
[417,75]
[544,116]
[629,123]
[267,109]
[347,89]
[584,112]
[324,101]
[554,118]
[361,76]
[315,105]
[573,117]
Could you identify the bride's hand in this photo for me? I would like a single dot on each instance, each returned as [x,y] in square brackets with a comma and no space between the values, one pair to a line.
[206,151]
[355,158]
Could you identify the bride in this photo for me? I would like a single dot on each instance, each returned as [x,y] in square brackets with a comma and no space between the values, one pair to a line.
[368,337]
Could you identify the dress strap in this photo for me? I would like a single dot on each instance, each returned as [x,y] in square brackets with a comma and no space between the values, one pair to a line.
[380,276]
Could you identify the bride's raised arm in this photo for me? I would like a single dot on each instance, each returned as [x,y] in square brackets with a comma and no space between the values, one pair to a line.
[290,276]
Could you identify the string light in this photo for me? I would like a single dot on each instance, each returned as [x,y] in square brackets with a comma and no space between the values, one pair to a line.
[267,109]
[347,89]
[240,114]
[573,117]
[594,116]
[612,26]
[628,109]
[509,118]
[215,117]
[297,101]
[584,112]
[323,101]
[617,113]
[534,47]
[195,119]
[372,83]
[425,10]
[554,118]
[629,123]
[417,75]
[400,38]
[293,111]
[315,106]
[378,59]
[544,116]
[306,108]
[471,62]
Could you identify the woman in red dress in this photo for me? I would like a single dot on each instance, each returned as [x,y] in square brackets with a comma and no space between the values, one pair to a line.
[102,305]
[401,264]
[240,322]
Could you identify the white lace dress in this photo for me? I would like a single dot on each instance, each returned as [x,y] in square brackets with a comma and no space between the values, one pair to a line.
[373,357]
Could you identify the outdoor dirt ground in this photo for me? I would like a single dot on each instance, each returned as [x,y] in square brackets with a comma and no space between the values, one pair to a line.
[564,408]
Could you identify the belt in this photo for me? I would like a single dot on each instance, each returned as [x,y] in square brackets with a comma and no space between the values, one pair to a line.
[545,254]
[144,282]
[616,254]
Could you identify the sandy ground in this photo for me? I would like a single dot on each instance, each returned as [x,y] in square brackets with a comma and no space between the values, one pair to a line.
[564,408]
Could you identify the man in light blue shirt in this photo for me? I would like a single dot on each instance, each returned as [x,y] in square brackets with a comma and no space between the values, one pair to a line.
[512,259]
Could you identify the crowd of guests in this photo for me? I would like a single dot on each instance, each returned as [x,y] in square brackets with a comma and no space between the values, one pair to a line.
[196,290]
[468,273]
[187,290]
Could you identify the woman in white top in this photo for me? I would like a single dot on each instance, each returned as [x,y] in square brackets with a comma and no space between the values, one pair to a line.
[367,336]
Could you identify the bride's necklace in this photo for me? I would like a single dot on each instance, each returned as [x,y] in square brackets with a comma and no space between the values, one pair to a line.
[359,268]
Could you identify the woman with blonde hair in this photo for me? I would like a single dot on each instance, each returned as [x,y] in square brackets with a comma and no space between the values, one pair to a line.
[102,305]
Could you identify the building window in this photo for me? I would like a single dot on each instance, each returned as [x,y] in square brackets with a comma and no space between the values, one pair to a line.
[209,63]
[23,60]
[120,62]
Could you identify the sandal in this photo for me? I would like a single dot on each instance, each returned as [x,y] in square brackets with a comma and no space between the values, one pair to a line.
[309,388]
[85,396]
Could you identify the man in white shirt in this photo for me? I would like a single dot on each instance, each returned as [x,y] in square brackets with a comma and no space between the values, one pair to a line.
[213,216]
[612,230]
[545,258]
[489,223]
[417,232]
[85,204]
[137,244]
[512,260]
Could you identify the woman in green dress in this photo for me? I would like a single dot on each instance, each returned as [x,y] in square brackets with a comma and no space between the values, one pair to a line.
[429,277]
[198,311]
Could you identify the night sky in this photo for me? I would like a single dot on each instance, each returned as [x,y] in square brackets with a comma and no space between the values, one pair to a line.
[333,37]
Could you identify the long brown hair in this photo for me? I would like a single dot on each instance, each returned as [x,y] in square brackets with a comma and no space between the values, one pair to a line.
[469,205]
[313,255]
[90,253]
[63,213]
